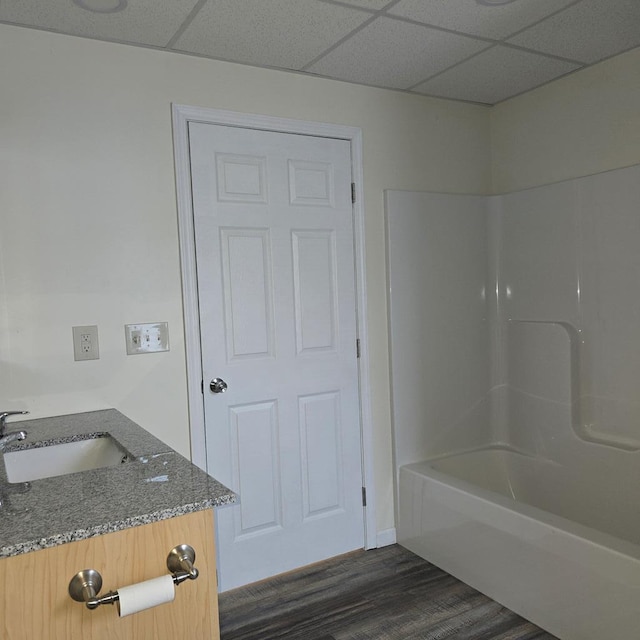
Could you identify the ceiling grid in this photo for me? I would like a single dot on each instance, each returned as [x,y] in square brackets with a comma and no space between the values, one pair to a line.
[481,51]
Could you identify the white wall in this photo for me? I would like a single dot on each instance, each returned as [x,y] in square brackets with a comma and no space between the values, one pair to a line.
[88,231]
[583,124]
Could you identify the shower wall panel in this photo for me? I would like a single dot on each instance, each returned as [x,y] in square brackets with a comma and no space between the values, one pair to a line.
[515,319]
[437,262]
[571,260]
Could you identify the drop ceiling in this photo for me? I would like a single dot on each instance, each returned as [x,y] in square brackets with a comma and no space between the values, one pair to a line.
[458,49]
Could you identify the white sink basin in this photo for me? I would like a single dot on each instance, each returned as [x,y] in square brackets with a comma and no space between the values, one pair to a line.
[25,465]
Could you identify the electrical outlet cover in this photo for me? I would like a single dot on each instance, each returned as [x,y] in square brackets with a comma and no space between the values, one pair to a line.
[147,338]
[85,342]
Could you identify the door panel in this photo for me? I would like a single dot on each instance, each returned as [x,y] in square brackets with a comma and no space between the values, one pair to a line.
[254,428]
[274,244]
[248,294]
[314,290]
[320,434]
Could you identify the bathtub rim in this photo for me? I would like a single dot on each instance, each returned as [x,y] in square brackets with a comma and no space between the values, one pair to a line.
[608,541]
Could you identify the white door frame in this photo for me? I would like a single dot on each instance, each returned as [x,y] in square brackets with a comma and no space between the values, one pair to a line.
[182,115]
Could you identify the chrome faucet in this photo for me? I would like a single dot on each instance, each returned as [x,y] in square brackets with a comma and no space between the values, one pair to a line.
[12,436]
[3,420]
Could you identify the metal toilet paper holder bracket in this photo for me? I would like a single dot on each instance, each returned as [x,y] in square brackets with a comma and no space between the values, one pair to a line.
[86,584]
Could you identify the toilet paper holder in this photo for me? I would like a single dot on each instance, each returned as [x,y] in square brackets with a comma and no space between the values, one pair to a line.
[86,584]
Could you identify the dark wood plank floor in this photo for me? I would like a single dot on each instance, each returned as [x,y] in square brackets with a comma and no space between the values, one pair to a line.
[386,594]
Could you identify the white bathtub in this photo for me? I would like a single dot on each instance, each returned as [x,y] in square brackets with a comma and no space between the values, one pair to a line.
[560,547]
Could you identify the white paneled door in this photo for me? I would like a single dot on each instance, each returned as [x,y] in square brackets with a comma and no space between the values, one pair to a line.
[276,284]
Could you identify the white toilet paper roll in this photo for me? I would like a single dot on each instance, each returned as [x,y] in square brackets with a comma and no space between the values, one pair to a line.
[143,595]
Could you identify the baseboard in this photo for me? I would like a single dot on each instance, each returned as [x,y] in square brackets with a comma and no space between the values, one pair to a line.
[386,537]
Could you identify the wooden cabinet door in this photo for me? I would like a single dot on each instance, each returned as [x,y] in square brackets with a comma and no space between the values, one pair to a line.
[35,603]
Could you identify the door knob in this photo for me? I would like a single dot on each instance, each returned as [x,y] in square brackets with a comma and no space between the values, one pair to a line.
[218,385]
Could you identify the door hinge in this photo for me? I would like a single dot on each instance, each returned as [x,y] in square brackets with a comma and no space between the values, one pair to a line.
[364,496]
[202,387]
[353,192]
[357,347]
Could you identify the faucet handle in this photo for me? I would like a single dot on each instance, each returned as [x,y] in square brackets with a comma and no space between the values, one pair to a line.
[5,414]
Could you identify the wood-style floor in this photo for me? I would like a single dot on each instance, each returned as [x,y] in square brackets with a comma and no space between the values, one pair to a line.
[386,594]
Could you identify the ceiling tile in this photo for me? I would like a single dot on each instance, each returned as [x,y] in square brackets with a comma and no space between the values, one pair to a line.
[396,54]
[278,33]
[435,47]
[494,75]
[142,22]
[468,16]
[589,31]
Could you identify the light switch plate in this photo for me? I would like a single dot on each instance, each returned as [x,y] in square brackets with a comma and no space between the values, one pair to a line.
[147,338]
[85,342]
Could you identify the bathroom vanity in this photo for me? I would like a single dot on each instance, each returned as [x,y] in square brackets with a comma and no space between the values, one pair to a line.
[121,520]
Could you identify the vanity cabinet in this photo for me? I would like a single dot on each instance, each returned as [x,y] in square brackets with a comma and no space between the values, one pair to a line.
[35,603]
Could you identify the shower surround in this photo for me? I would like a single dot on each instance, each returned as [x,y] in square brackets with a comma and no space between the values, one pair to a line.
[515,376]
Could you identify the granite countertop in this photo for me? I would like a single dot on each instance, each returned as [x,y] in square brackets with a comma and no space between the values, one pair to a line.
[155,483]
